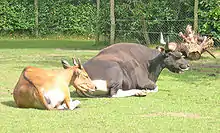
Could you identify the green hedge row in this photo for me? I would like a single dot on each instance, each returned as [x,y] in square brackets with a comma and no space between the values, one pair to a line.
[16,15]
[78,17]
[55,16]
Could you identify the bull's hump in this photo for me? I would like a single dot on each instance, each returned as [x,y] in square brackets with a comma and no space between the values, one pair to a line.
[122,47]
[127,51]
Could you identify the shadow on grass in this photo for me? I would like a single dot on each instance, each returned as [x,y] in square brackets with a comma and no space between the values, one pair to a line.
[75,96]
[9,103]
[165,90]
[13,105]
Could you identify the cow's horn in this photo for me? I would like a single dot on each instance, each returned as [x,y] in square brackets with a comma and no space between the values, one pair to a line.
[79,63]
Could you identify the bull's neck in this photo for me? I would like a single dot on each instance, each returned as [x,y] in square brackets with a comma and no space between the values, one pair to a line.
[155,67]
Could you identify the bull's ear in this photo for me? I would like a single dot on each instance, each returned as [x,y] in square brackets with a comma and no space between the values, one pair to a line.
[65,64]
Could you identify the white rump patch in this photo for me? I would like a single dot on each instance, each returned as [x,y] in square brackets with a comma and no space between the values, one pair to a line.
[132,92]
[56,96]
[101,87]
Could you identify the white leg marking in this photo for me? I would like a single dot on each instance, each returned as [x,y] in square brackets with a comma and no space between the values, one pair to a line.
[73,105]
[132,92]
[154,90]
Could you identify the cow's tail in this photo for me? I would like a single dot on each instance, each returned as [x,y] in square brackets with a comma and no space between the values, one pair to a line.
[40,93]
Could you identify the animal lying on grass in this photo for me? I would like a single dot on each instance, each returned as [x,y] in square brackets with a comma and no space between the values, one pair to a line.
[127,69]
[49,89]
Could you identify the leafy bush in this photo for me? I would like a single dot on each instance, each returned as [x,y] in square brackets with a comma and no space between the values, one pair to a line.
[66,18]
[16,16]
[78,18]
[210,14]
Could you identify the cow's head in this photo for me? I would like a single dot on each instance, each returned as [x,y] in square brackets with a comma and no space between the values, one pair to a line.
[174,60]
[80,79]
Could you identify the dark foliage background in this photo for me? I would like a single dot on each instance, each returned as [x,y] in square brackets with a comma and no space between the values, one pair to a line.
[78,18]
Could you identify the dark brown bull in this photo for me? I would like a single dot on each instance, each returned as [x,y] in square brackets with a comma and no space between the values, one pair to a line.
[127,69]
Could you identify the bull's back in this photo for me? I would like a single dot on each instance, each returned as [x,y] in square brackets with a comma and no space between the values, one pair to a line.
[118,55]
[126,52]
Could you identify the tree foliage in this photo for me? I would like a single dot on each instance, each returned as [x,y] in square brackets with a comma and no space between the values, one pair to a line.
[55,16]
[76,17]
[16,15]
[209,13]
[65,17]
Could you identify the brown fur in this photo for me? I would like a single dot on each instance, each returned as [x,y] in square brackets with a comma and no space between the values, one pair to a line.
[34,82]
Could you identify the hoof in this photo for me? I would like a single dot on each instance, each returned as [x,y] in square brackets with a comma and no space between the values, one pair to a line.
[74,104]
[154,90]
[142,93]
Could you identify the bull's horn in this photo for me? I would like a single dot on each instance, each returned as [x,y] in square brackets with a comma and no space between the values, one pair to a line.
[161,39]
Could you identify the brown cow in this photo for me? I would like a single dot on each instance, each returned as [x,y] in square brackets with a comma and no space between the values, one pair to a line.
[49,89]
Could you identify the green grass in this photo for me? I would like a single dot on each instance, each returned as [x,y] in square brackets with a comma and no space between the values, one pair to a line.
[188,102]
[39,43]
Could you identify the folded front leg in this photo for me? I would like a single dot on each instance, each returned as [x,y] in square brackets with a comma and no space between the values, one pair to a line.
[150,86]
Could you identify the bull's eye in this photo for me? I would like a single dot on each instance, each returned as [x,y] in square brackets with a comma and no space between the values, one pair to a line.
[177,55]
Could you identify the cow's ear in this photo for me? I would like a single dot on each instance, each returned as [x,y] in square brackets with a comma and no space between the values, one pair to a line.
[65,64]
[161,49]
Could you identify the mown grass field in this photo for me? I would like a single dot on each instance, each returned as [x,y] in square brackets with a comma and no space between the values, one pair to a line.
[188,102]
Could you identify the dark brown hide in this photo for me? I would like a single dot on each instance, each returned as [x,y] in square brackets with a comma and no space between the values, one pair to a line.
[132,66]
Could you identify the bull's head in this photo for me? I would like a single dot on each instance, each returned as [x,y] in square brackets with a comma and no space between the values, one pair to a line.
[80,80]
[174,60]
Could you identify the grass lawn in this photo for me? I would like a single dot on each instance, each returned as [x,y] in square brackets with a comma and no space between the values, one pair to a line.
[65,44]
[188,102]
